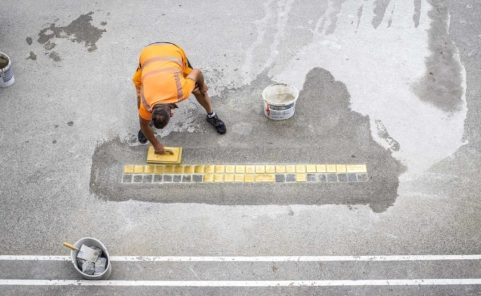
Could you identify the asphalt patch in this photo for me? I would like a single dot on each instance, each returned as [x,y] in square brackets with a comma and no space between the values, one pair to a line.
[323,130]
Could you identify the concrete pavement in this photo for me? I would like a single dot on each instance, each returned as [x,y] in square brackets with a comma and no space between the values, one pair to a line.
[392,84]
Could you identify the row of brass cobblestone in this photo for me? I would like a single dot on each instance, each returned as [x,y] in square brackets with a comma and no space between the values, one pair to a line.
[258,173]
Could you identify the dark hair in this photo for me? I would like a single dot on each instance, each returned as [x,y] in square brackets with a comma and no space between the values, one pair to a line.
[160,116]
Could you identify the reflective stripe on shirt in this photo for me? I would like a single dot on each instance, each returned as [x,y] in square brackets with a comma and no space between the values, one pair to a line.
[163,59]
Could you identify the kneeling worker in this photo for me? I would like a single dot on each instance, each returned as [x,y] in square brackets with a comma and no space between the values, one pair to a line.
[164,78]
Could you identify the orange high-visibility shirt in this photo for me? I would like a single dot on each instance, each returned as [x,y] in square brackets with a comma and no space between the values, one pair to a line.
[161,77]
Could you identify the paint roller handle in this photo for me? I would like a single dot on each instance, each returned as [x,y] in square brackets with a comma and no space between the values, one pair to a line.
[70,246]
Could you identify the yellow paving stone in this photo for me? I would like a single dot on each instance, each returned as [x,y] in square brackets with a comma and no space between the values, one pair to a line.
[271,169]
[240,168]
[199,169]
[229,178]
[356,168]
[219,168]
[189,169]
[239,178]
[178,169]
[250,169]
[209,178]
[209,169]
[300,168]
[230,169]
[265,178]
[149,169]
[260,169]
[249,178]
[341,168]
[331,168]
[290,168]
[138,169]
[311,168]
[159,169]
[300,177]
[321,168]
[128,169]
[169,169]
[219,178]
[254,173]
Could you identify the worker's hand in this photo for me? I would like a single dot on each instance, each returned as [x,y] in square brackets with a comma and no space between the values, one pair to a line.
[159,148]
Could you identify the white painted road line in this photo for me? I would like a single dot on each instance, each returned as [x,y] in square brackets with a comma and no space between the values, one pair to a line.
[310,283]
[293,258]
[33,258]
[254,258]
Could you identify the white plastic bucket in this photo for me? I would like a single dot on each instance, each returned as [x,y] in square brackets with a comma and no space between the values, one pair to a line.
[279,101]
[92,242]
[6,71]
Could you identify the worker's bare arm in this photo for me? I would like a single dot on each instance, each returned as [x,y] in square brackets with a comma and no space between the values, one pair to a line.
[149,134]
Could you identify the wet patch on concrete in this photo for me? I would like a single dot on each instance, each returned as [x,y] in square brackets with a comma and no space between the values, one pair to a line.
[359,16]
[380,8]
[336,9]
[417,12]
[323,130]
[80,30]
[32,56]
[465,31]
[457,177]
[383,134]
[49,45]
[442,84]
[29,40]
[55,56]
[389,22]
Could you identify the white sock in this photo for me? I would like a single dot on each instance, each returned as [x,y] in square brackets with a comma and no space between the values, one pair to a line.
[210,115]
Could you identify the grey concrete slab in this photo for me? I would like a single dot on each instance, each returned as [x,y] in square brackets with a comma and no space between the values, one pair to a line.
[387,81]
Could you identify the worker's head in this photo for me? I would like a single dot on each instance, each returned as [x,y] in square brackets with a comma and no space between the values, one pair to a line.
[161,115]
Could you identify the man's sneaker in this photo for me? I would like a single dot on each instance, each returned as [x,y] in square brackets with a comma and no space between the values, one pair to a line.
[217,124]
[141,137]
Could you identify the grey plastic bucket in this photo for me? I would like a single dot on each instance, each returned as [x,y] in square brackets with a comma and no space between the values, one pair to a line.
[91,242]
[279,101]
[6,71]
